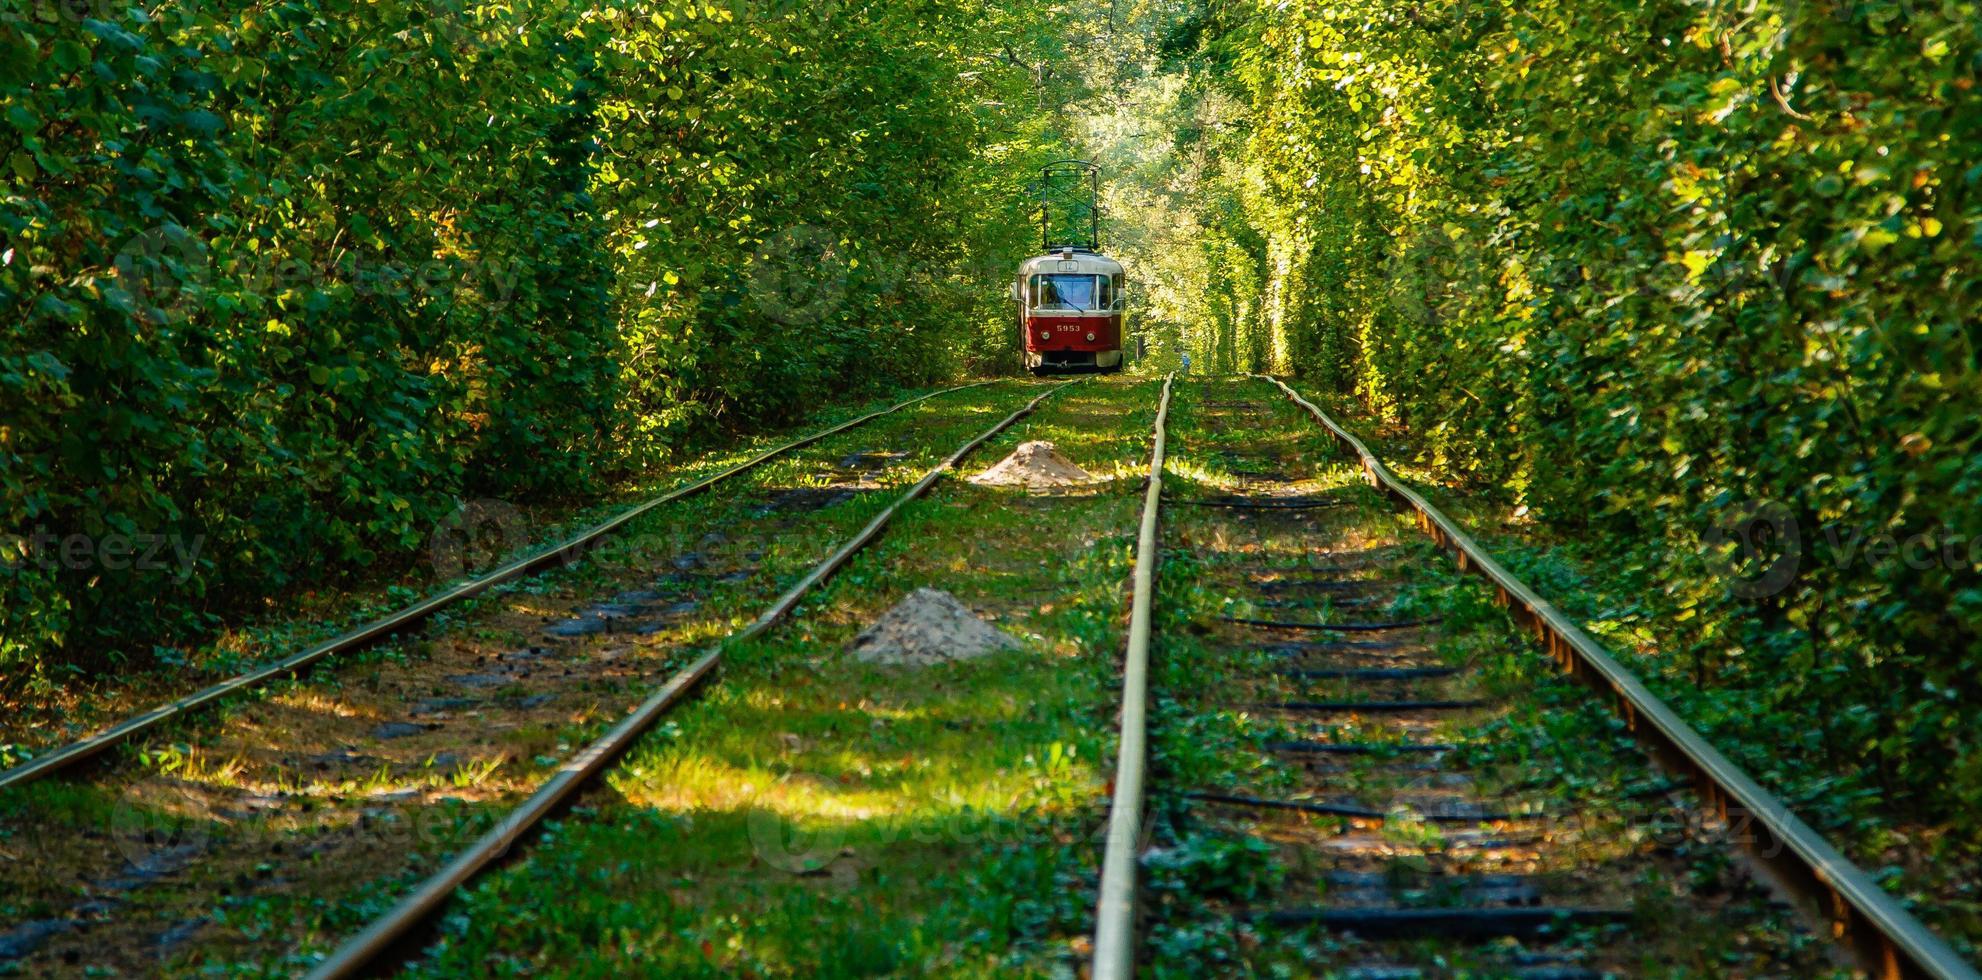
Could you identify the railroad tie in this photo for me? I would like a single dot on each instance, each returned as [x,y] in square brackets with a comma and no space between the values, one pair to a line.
[1396,922]
[1298,648]
[1333,627]
[1344,602]
[1322,585]
[1240,504]
[1379,888]
[1369,674]
[1352,810]
[1305,747]
[1299,806]
[1391,971]
[1463,840]
[1370,707]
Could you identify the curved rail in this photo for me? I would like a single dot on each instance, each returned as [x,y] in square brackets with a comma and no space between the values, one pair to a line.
[378,629]
[1888,940]
[1115,910]
[365,949]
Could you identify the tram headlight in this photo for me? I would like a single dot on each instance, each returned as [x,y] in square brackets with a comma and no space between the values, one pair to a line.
[1045,335]
[1090,335]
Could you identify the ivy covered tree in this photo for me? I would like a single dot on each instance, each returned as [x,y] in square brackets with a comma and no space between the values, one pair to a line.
[283,280]
[1652,271]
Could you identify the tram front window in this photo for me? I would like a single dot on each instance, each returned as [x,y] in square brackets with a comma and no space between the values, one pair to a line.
[1064,292]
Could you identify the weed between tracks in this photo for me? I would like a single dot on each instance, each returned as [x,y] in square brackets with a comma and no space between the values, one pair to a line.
[810,814]
[813,815]
[1936,869]
[1580,819]
[277,826]
[47,711]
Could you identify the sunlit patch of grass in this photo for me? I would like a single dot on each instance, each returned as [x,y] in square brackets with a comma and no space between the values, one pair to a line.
[59,712]
[319,701]
[192,764]
[247,768]
[1199,471]
[953,807]
[920,436]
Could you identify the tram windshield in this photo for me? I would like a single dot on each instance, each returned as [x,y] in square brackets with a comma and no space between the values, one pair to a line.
[1065,291]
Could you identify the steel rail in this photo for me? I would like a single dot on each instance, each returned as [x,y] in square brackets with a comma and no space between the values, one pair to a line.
[378,629]
[1115,906]
[364,950]
[1888,940]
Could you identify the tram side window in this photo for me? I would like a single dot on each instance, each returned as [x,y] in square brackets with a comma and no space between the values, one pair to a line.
[1107,290]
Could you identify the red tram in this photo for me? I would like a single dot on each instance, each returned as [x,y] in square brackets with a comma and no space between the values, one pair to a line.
[1070,299]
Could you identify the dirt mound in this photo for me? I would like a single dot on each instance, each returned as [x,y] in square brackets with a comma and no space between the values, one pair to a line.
[1034,464]
[928,627]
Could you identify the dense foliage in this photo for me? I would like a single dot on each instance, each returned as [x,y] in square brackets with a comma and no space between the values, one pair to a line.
[797,205]
[1697,279]
[244,315]
[283,280]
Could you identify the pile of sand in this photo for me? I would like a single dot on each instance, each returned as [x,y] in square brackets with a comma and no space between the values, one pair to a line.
[928,627]
[1034,464]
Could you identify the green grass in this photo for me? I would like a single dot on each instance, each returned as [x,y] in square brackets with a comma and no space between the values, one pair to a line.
[272,929]
[1605,585]
[812,815]
[1549,744]
[50,713]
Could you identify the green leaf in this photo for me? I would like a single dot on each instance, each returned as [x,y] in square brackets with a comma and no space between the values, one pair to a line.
[203,122]
[69,54]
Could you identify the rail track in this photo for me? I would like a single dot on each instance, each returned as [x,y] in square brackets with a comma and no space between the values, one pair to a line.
[1409,845]
[562,553]
[517,685]
[1407,840]
[378,941]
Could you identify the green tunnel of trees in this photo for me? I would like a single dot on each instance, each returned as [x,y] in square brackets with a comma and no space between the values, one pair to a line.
[1697,282]
[284,281]
[294,277]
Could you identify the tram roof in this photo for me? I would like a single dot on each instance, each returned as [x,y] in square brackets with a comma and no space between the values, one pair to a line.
[1082,262]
